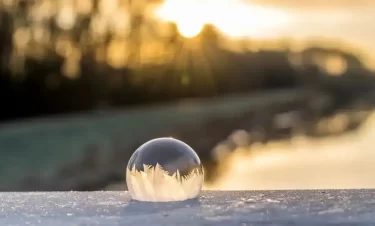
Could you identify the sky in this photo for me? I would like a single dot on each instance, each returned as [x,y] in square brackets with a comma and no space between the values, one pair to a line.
[315,4]
[350,21]
[351,24]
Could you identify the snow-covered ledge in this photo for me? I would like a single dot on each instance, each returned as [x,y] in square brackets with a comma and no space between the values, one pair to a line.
[331,207]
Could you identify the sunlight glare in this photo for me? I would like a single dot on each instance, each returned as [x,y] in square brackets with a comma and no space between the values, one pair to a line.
[233,18]
[189,29]
[188,16]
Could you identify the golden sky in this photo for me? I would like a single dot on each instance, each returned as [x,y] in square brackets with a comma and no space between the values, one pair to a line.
[351,21]
[317,4]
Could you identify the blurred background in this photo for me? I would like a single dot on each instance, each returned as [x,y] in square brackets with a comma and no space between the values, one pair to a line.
[272,94]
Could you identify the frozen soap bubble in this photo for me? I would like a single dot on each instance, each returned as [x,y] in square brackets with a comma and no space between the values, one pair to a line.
[163,170]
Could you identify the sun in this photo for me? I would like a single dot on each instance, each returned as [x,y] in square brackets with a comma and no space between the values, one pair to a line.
[234,18]
[189,29]
[188,15]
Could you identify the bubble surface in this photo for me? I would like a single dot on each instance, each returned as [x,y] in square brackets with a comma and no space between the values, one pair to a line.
[163,170]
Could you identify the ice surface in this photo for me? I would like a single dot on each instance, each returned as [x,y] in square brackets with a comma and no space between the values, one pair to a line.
[332,207]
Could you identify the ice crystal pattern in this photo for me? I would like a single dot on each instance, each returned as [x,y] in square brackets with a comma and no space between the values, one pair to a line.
[156,185]
[164,170]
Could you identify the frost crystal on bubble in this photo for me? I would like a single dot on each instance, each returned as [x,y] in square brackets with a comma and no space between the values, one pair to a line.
[156,185]
[164,170]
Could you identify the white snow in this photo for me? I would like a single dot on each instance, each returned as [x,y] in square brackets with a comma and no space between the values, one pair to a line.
[331,207]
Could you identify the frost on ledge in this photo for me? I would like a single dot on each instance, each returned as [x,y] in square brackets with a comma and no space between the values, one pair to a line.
[154,184]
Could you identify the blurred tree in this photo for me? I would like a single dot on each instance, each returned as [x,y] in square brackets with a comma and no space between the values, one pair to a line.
[64,56]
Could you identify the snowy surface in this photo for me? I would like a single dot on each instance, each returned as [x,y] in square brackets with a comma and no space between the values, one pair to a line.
[331,207]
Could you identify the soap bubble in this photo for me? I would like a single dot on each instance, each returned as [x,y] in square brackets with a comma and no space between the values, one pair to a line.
[163,170]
